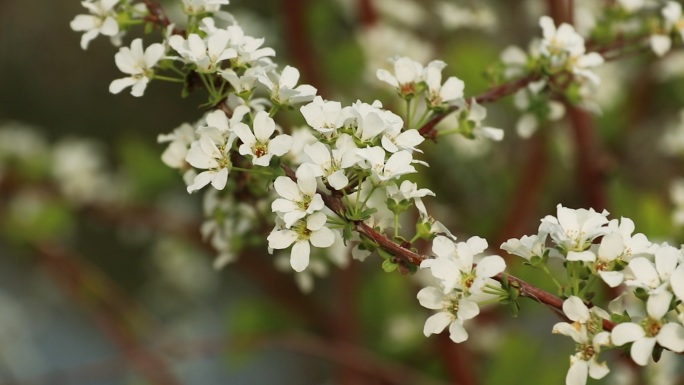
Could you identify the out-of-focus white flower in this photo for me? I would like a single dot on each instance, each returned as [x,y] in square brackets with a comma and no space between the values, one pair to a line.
[472,116]
[180,139]
[454,16]
[438,93]
[382,40]
[137,63]
[631,5]
[102,20]
[198,7]
[674,22]
[565,49]
[78,168]
[407,74]
[677,196]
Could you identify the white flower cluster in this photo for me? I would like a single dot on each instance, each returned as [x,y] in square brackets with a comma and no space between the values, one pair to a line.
[411,79]
[361,151]
[465,278]
[654,272]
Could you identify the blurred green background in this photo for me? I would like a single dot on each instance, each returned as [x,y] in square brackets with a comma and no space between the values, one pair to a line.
[127,295]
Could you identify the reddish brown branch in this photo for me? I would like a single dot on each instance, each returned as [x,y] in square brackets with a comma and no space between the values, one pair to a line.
[157,15]
[590,169]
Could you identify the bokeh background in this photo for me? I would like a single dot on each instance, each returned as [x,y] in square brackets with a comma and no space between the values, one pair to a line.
[126,294]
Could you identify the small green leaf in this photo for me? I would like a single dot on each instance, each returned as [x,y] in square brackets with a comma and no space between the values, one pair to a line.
[389,266]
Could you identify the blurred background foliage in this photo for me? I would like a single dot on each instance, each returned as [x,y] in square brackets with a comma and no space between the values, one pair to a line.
[126,294]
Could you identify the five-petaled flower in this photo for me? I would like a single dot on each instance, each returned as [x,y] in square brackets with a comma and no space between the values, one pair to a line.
[139,64]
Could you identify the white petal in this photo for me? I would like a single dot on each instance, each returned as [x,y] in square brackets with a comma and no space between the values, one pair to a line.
[338,180]
[577,374]
[202,179]
[612,278]
[299,258]
[436,323]
[431,298]
[280,145]
[671,336]
[324,237]
[457,332]
[625,333]
[660,44]
[287,188]
[490,266]
[642,349]
[118,85]
[575,309]
[220,179]
[677,282]
[264,126]
[281,239]
[467,309]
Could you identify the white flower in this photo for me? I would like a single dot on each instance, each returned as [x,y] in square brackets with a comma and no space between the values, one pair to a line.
[297,199]
[369,120]
[259,144]
[137,63]
[180,138]
[303,234]
[438,93]
[653,329]
[531,97]
[527,246]
[102,20]
[212,150]
[565,49]
[561,40]
[455,309]
[323,116]
[589,342]
[241,84]
[396,165]
[249,50]
[212,153]
[197,7]
[654,277]
[331,166]
[409,190]
[574,230]
[454,264]
[407,75]
[631,5]
[394,139]
[672,15]
[206,53]
[474,115]
[284,89]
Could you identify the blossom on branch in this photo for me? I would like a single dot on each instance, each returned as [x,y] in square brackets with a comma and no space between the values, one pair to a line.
[101,21]
[139,64]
